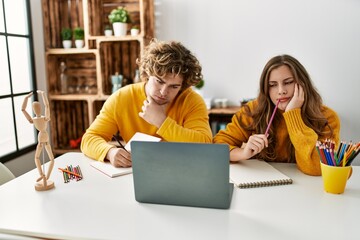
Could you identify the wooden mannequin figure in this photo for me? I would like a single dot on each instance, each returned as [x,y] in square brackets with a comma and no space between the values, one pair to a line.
[40,122]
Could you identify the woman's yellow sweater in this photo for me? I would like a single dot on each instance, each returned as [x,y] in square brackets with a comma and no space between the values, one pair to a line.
[302,137]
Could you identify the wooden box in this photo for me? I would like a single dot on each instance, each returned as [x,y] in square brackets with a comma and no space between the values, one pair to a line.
[59,14]
[69,126]
[100,9]
[118,57]
[80,72]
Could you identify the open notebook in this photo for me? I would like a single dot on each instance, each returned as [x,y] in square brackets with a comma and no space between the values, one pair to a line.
[110,170]
[256,173]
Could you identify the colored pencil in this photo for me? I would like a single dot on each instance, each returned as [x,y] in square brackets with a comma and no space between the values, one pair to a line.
[343,156]
[272,117]
[70,172]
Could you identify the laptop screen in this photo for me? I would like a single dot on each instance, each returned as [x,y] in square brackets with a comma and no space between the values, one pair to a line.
[188,174]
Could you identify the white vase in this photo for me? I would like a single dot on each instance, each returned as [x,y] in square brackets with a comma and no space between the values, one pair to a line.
[134,31]
[79,43]
[67,43]
[108,32]
[120,29]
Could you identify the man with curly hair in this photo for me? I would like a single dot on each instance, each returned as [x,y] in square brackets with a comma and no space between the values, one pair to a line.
[162,105]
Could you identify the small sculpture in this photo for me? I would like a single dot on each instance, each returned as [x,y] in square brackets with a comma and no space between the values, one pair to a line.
[40,122]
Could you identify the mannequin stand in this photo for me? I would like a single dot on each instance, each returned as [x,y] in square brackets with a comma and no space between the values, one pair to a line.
[39,186]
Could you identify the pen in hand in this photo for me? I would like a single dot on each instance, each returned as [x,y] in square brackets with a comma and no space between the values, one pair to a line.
[121,145]
[272,117]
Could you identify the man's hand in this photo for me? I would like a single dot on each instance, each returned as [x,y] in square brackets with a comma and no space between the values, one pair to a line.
[153,113]
[119,157]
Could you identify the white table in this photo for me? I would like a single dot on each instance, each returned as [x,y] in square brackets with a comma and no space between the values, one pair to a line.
[99,207]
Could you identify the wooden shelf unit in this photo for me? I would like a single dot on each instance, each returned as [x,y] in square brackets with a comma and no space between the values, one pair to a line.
[88,69]
[219,117]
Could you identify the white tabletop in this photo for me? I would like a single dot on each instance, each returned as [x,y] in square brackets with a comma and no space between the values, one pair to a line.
[100,207]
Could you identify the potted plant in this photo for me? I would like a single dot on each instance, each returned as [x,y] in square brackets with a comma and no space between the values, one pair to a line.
[200,84]
[134,31]
[119,18]
[198,87]
[66,36]
[108,31]
[79,37]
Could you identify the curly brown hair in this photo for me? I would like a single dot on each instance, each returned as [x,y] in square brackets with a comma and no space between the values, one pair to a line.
[162,58]
[311,111]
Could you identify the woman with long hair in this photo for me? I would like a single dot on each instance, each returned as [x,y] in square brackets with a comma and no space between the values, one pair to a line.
[299,121]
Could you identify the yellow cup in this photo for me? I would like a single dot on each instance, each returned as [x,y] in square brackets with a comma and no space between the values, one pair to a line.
[335,178]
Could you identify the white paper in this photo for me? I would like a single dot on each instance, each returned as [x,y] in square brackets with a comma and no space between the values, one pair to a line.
[110,170]
[141,137]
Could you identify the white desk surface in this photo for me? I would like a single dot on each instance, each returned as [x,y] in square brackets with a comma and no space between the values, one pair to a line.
[99,207]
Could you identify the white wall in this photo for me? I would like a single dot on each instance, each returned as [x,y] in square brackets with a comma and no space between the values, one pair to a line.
[233,40]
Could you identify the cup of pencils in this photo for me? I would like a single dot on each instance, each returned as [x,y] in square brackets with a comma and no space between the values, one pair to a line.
[336,164]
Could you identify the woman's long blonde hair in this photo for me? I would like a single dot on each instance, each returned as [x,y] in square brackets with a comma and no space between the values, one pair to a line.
[311,111]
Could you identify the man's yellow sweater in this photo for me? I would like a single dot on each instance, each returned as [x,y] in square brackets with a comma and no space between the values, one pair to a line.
[187,120]
[302,137]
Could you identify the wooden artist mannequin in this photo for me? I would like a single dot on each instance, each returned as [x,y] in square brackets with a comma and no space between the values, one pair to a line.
[40,123]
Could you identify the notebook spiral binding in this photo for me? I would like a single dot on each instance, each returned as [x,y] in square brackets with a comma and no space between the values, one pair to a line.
[265,183]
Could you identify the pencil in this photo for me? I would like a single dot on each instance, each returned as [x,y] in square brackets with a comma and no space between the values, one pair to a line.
[353,156]
[70,172]
[121,145]
[272,117]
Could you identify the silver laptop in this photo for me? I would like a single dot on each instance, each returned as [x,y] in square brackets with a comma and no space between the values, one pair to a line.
[186,174]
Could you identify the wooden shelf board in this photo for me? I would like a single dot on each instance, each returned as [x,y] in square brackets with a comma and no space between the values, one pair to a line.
[228,110]
[70,51]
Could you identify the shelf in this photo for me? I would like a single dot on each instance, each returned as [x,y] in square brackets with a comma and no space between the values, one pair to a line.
[141,14]
[113,38]
[220,117]
[226,111]
[88,69]
[97,105]
[70,51]
[118,57]
[69,126]
[80,72]
[69,97]
[58,15]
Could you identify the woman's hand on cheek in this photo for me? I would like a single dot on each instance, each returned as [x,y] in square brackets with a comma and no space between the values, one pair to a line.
[297,100]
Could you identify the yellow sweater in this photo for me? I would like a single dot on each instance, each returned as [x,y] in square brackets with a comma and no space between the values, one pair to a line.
[302,137]
[187,120]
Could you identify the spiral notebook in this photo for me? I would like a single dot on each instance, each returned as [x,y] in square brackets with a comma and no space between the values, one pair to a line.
[256,173]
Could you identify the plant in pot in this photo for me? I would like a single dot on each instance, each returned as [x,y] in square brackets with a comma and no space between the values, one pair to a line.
[108,31]
[66,36]
[119,18]
[79,37]
[198,87]
[134,31]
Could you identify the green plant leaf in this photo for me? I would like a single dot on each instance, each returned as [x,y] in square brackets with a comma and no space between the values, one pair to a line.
[66,34]
[119,14]
[200,84]
[78,33]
